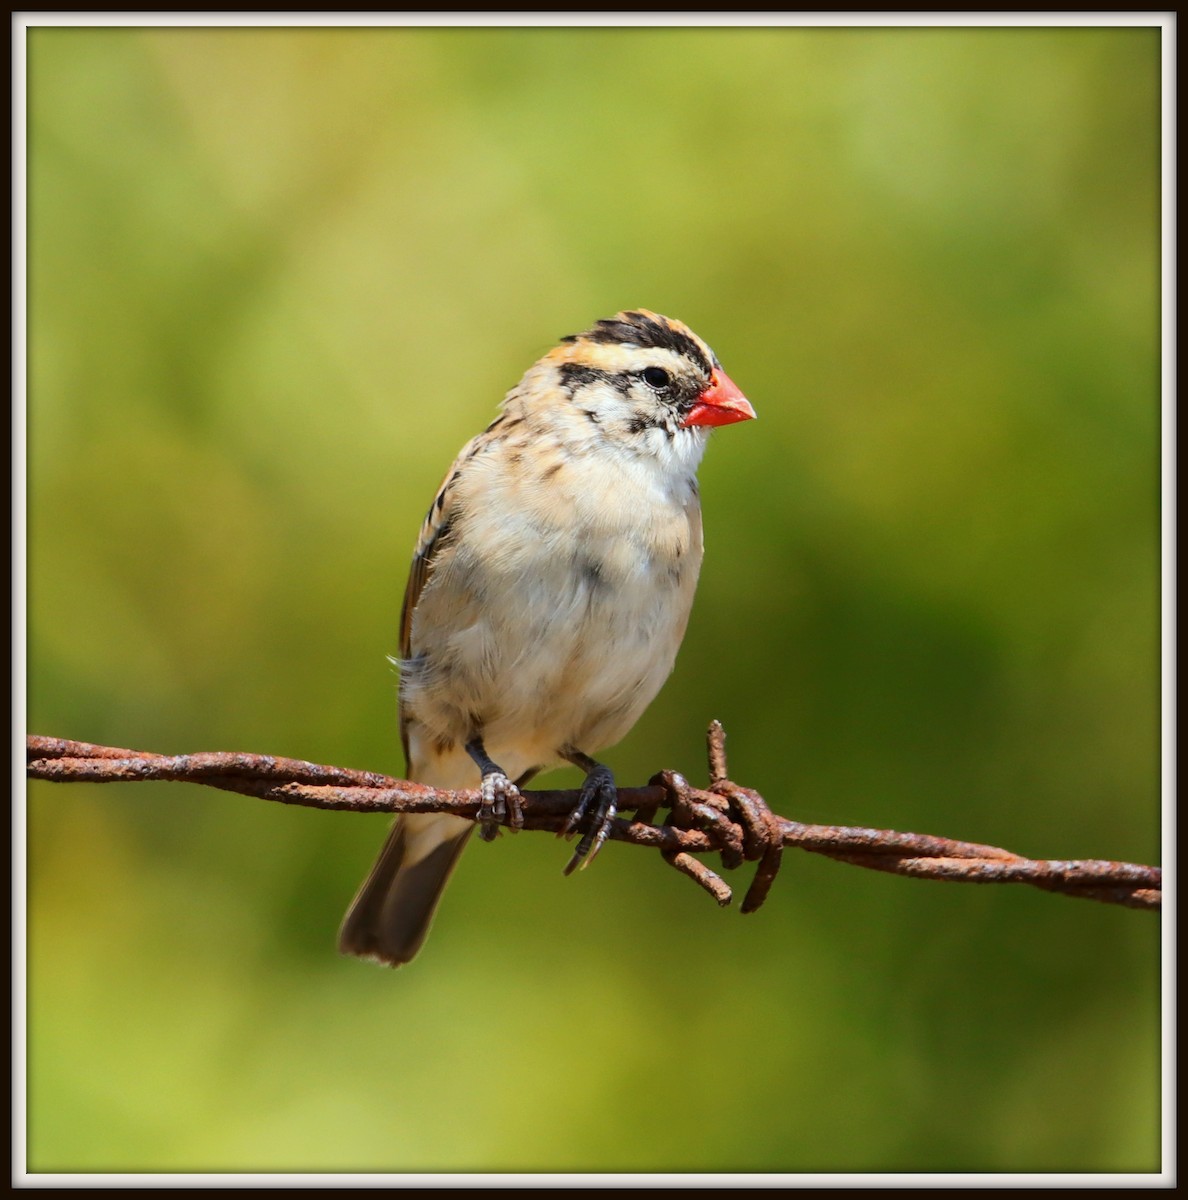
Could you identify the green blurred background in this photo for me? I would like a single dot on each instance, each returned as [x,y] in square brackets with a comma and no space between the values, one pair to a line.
[277,277]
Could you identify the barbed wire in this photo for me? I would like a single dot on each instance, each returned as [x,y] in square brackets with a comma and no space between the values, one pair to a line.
[726,819]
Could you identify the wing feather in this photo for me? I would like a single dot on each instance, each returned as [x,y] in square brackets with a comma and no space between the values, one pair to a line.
[434,535]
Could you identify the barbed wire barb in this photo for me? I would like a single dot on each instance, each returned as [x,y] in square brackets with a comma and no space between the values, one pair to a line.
[726,819]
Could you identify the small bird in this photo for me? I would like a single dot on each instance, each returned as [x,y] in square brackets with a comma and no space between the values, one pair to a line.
[548,595]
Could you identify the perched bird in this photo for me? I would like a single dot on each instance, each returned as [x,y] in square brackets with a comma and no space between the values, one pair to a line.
[549,592]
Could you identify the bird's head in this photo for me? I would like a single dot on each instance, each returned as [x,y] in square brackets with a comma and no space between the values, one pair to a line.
[647,383]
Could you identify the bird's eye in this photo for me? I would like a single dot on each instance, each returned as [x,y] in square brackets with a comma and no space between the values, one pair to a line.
[655,377]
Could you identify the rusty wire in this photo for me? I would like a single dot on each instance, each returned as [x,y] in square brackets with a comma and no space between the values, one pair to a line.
[726,819]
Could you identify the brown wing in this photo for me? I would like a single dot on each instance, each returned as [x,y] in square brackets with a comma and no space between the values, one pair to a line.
[435,531]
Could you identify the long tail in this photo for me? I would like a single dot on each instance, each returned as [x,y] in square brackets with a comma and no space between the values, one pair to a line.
[390,916]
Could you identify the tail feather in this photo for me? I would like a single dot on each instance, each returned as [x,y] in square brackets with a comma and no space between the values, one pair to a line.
[390,916]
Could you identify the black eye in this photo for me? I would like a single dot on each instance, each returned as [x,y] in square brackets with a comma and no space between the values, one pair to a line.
[655,377]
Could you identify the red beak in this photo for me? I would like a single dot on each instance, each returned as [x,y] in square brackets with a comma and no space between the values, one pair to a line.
[720,404]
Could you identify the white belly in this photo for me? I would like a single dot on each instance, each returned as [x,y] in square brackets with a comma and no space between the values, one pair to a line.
[540,648]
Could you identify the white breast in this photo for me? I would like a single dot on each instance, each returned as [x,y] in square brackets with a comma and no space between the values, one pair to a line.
[556,614]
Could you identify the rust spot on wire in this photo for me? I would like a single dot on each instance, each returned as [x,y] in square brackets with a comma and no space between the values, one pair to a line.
[701,875]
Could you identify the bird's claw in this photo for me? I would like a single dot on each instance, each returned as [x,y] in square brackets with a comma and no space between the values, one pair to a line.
[596,808]
[500,806]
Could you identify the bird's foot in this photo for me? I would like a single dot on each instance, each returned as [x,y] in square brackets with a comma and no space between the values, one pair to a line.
[596,809]
[500,805]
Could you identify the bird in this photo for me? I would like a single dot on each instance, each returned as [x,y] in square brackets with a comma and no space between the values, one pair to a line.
[548,595]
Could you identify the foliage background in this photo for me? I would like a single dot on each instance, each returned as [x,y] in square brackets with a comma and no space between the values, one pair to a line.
[277,277]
